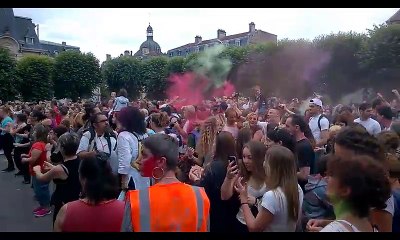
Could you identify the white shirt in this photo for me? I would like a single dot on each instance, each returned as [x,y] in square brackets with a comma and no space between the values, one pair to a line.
[313,124]
[275,202]
[372,126]
[340,226]
[254,193]
[102,146]
[127,150]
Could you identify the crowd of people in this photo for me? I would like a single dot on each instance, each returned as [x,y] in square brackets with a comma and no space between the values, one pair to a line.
[230,164]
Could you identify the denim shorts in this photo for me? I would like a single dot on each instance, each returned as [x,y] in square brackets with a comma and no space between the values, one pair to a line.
[42,192]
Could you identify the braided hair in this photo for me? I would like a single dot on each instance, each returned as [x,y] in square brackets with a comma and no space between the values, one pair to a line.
[208,135]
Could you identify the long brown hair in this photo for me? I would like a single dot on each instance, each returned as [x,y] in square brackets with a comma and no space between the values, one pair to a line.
[280,169]
[224,147]
[257,151]
[244,136]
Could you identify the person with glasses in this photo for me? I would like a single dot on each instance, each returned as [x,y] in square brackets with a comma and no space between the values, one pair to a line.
[99,138]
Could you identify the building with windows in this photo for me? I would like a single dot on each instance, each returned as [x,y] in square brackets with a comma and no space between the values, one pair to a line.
[21,36]
[147,49]
[252,36]
[395,19]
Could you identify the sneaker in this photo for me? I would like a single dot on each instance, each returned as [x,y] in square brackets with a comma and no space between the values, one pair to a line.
[19,173]
[37,209]
[7,170]
[26,182]
[42,212]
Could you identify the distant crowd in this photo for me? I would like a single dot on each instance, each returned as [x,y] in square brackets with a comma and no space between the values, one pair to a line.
[228,164]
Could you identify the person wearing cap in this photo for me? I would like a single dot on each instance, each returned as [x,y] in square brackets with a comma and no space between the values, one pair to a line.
[318,123]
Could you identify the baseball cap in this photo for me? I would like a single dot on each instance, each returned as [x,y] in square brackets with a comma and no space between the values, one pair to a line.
[316,101]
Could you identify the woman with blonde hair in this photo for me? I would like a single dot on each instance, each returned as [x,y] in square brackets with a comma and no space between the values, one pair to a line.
[281,204]
[251,168]
[206,145]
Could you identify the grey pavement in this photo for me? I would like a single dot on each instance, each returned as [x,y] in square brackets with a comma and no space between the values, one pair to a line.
[17,204]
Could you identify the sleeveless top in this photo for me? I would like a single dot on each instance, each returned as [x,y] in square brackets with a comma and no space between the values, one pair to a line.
[83,217]
[67,190]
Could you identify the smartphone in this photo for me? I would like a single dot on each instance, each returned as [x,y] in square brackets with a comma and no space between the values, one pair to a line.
[232,159]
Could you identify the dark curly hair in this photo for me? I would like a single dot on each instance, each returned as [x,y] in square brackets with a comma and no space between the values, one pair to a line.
[389,140]
[278,135]
[367,180]
[358,140]
[132,120]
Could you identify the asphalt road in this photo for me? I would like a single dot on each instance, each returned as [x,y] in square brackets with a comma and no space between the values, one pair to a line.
[17,204]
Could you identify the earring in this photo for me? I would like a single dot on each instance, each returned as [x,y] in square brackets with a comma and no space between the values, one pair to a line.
[154,175]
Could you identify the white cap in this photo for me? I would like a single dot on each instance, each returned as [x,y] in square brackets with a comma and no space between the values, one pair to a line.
[316,101]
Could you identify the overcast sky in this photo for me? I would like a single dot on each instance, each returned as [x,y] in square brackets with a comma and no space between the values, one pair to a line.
[114,30]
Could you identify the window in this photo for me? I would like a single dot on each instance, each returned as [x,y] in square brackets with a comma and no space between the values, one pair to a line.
[197,49]
[29,40]
[171,54]
[55,52]
[227,44]
[145,51]
[179,53]
[237,43]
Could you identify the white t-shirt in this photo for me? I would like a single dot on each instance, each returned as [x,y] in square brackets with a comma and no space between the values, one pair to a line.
[275,202]
[372,126]
[254,193]
[127,150]
[313,124]
[340,226]
[101,146]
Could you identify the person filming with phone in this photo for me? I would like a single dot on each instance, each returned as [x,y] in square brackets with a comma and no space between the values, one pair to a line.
[251,168]
[222,213]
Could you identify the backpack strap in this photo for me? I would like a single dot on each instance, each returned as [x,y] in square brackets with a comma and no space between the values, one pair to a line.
[319,121]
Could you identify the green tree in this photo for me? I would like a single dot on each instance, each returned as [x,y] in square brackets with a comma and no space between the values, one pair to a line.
[76,74]
[123,72]
[35,73]
[8,78]
[343,67]
[380,56]
[155,77]
[176,65]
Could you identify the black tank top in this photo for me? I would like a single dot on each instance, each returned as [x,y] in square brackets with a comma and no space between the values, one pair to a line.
[69,189]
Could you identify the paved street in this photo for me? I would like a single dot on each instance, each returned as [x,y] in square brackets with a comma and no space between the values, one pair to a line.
[16,205]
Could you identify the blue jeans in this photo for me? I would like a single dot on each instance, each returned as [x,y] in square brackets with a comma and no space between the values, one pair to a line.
[42,192]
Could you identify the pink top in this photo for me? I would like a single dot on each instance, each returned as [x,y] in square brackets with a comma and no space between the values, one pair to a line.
[83,217]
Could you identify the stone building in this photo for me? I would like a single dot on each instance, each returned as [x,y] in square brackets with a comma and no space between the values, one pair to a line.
[252,36]
[21,36]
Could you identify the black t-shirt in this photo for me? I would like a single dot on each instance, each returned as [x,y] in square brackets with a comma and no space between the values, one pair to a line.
[222,213]
[261,101]
[25,130]
[305,157]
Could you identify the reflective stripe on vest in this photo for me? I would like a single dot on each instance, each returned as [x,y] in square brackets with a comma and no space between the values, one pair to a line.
[144,205]
[141,199]
[199,201]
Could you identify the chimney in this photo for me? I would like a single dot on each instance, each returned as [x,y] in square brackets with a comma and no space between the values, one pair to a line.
[252,27]
[127,53]
[108,57]
[221,33]
[198,39]
[131,53]
[64,43]
[37,30]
